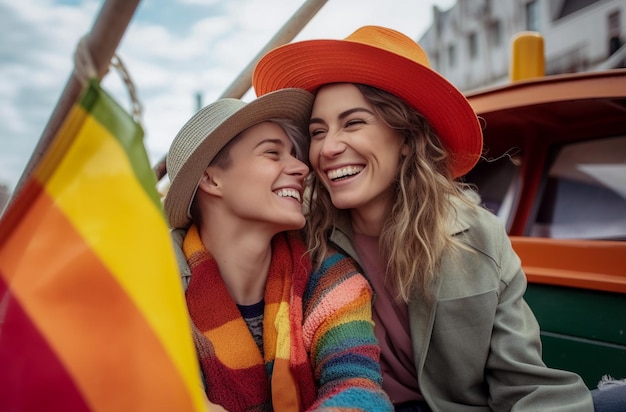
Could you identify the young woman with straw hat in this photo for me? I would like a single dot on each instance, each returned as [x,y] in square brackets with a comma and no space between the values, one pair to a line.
[270,335]
[389,138]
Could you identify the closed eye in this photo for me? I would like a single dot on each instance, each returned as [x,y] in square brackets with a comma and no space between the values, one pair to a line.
[317,133]
[272,147]
[354,122]
[273,154]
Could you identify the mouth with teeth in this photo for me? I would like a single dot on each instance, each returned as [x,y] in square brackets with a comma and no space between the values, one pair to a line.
[288,192]
[344,172]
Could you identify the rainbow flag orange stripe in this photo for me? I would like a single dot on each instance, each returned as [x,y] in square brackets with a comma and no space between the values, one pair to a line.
[92,312]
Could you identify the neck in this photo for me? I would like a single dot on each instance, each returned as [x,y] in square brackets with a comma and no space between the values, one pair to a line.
[369,217]
[368,220]
[243,256]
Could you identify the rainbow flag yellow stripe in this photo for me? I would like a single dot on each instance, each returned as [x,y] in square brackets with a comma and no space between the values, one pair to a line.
[92,312]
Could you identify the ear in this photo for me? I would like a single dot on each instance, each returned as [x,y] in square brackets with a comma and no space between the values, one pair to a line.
[404,151]
[210,182]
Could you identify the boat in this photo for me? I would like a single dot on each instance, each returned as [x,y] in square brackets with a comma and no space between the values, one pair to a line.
[554,171]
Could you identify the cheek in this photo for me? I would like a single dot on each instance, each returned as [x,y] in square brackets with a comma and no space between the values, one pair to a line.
[314,153]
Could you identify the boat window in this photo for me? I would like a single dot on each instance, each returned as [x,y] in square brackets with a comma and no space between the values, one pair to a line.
[497,182]
[585,193]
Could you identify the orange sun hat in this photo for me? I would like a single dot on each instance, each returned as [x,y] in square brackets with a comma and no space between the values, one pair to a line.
[386,59]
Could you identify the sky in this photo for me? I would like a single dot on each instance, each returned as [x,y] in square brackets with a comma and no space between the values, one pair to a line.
[174,50]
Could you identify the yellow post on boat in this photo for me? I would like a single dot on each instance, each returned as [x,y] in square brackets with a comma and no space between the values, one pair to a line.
[527,56]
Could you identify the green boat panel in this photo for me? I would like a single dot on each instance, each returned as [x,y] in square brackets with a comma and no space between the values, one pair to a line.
[591,360]
[583,313]
[581,330]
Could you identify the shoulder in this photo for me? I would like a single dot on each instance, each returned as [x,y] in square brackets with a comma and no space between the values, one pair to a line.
[479,229]
[337,270]
[337,284]
[486,258]
[178,237]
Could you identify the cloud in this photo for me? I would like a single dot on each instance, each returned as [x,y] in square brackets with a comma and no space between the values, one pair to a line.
[38,38]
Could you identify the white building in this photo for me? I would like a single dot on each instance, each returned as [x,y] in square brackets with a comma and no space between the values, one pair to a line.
[470,43]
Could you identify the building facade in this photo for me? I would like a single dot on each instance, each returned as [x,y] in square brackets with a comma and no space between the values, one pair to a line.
[470,43]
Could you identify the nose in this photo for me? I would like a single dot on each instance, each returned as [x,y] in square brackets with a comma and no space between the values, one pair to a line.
[331,145]
[297,167]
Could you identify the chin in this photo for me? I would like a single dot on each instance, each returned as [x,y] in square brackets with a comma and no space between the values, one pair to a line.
[340,203]
[294,224]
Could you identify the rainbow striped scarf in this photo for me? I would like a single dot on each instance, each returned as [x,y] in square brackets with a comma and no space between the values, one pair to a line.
[236,375]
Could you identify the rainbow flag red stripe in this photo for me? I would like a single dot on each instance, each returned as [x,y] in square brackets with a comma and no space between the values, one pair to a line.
[92,312]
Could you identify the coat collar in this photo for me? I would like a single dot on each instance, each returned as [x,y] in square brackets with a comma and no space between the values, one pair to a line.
[456,223]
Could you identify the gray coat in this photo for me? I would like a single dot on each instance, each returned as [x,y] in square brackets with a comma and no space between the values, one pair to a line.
[477,345]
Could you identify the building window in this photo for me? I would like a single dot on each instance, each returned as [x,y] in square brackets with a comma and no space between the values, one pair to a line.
[434,62]
[495,34]
[472,44]
[451,55]
[532,15]
[615,32]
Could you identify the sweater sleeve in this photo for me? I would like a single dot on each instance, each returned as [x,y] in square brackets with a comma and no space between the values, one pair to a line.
[339,336]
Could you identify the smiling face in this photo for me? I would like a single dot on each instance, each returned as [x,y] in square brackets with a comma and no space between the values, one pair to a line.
[263,180]
[353,152]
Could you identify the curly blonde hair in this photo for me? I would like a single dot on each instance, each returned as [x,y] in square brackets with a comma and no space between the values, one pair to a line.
[414,234]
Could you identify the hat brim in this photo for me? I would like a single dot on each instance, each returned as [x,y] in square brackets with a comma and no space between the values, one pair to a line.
[310,64]
[293,104]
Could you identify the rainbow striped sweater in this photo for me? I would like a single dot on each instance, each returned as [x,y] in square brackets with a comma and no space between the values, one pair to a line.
[339,337]
[338,334]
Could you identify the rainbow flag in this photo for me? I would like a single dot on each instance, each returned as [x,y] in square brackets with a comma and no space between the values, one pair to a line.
[92,311]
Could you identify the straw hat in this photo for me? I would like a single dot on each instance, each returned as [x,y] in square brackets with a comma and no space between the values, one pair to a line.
[386,59]
[210,129]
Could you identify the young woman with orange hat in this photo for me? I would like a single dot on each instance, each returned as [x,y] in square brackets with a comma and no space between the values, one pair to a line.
[270,334]
[389,138]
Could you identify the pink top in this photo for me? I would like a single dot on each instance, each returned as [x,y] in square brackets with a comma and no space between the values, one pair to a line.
[391,327]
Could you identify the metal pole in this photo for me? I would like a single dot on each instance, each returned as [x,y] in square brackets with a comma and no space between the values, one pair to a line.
[243,82]
[289,30]
[103,39]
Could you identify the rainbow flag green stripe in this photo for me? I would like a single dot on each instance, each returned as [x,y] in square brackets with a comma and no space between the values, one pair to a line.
[92,313]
